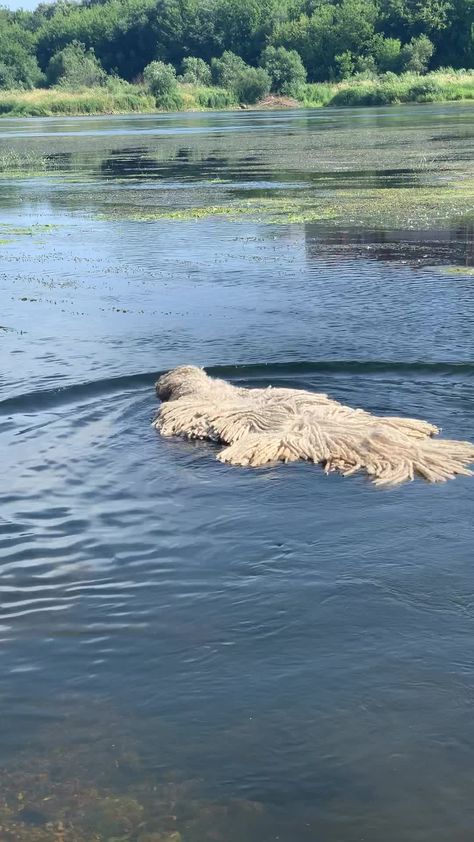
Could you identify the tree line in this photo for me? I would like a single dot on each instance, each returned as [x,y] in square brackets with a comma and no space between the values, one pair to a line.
[260,43]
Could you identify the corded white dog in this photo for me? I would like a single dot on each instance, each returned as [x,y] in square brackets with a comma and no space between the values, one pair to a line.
[261,426]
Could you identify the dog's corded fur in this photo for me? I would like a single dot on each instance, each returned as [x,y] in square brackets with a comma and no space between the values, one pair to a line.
[285,425]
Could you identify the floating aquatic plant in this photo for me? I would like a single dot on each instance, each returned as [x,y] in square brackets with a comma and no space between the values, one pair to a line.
[406,207]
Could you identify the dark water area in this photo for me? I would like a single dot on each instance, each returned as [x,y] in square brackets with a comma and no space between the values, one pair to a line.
[190,651]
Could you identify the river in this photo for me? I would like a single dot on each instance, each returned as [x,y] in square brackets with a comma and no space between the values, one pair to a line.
[196,652]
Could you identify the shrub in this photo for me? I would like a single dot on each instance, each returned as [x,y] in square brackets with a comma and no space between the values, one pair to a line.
[317,93]
[364,68]
[415,55]
[161,81]
[75,67]
[286,70]
[251,84]
[170,102]
[386,53]
[160,78]
[195,71]
[426,91]
[345,64]
[368,94]
[215,97]
[226,69]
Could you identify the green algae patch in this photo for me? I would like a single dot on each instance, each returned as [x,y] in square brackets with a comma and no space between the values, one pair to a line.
[8,233]
[270,211]
[462,271]
[414,208]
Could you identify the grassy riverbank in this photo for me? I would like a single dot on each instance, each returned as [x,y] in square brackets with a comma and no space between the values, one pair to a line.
[391,89]
[125,98]
[43,102]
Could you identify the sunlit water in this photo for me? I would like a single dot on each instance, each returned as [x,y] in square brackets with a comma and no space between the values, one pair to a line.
[244,655]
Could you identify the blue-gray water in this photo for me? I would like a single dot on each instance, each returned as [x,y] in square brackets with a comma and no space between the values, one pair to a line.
[187,647]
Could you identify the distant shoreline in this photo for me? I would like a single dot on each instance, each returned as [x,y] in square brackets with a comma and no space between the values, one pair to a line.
[133,99]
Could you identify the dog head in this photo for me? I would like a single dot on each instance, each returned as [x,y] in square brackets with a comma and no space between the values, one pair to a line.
[180,381]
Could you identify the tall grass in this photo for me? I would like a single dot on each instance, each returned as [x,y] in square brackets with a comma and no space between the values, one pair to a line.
[116,97]
[54,101]
[439,86]
[199,97]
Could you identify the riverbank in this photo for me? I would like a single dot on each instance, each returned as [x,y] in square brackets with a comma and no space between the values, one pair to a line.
[125,98]
[393,90]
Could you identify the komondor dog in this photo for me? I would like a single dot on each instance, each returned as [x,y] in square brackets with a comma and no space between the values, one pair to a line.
[261,426]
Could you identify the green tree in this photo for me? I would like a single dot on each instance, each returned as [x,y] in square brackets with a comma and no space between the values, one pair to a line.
[19,67]
[160,78]
[161,81]
[307,36]
[334,38]
[195,71]
[251,84]
[330,31]
[8,77]
[122,33]
[455,44]
[244,26]
[386,53]
[286,70]
[226,69]
[416,55]
[399,18]
[75,67]
[345,64]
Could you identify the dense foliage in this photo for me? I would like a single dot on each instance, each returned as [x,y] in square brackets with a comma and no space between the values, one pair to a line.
[195,71]
[286,70]
[75,67]
[249,46]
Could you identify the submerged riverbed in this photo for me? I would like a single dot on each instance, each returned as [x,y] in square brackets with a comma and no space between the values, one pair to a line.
[192,652]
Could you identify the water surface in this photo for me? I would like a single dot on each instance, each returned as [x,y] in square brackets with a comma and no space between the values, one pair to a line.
[189,648]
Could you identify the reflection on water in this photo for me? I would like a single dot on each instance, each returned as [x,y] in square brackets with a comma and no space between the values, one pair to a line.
[192,652]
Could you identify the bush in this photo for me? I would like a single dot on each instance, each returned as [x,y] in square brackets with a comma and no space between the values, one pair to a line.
[425,91]
[251,84]
[415,56]
[317,93]
[226,69]
[195,71]
[75,67]
[286,70]
[365,95]
[386,53]
[170,102]
[161,81]
[345,64]
[215,97]
[160,78]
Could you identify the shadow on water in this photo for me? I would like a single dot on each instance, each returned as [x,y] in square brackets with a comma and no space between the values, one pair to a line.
[439,246]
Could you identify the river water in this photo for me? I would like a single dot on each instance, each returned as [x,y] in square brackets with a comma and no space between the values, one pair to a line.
[189,650]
